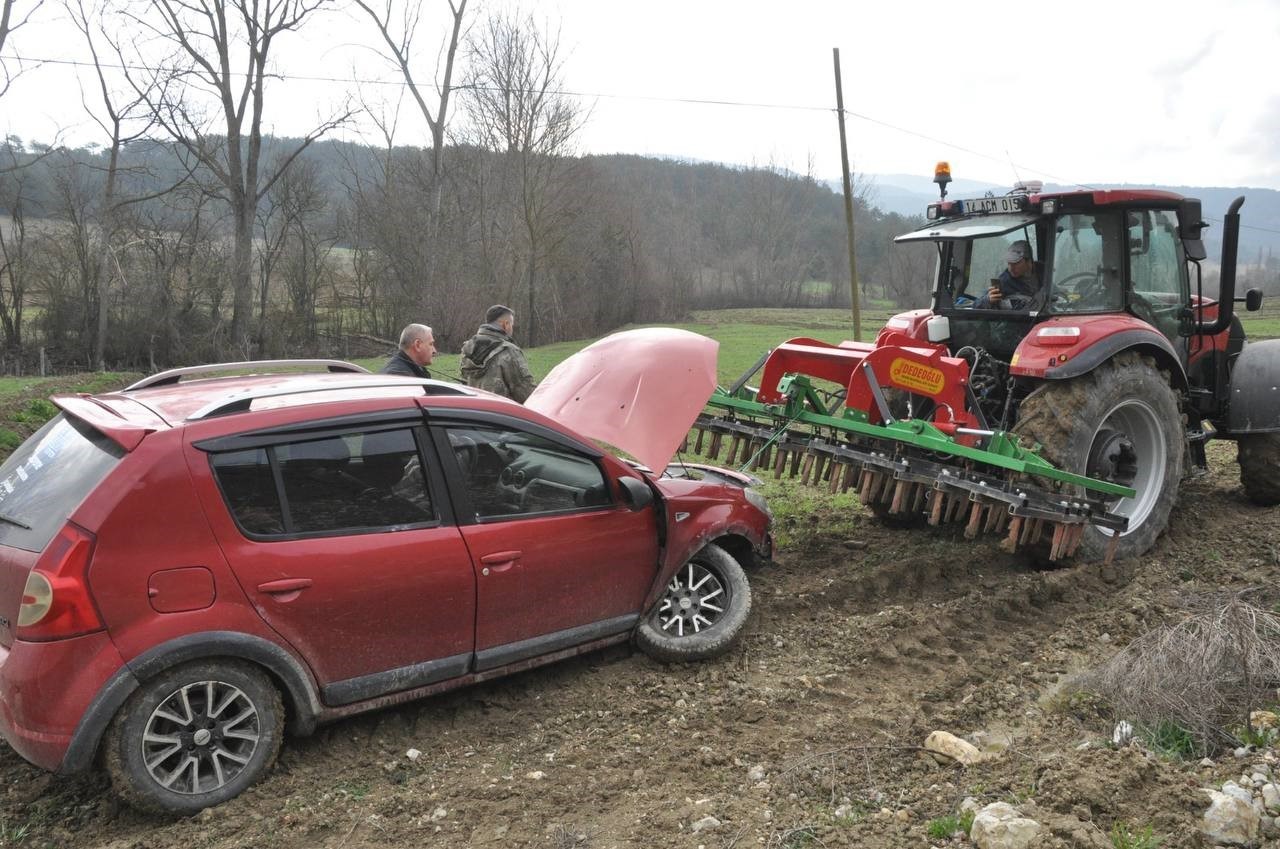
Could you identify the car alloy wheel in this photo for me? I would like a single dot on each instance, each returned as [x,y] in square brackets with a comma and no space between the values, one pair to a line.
[195,735]
[695,599]
[201,737]
[702,611]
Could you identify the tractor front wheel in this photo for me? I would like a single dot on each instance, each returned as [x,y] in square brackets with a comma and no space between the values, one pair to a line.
[1119,423]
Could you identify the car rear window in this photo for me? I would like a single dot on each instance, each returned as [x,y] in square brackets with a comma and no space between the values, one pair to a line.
[48,476]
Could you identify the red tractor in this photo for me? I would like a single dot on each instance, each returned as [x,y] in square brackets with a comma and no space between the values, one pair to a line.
[1067,327]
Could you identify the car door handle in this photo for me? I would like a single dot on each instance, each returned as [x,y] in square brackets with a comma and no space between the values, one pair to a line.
[285,589]
[499,561]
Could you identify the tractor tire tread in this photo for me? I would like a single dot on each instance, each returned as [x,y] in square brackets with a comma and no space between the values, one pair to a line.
[1056,413]
[1259,458]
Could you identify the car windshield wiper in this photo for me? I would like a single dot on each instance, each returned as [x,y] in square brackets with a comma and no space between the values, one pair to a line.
[5,517]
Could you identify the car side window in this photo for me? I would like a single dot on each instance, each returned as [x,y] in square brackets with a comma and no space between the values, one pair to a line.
[509,474]
[250,490]
[354,482]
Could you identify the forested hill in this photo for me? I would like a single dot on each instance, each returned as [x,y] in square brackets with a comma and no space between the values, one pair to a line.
[356,241]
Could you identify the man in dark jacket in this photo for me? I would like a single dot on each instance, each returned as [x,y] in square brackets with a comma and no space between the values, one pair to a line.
[1018,287]
[417,348]
[491,361]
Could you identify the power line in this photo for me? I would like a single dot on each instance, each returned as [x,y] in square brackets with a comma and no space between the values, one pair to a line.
[694,101]
[79,63]
[118,66]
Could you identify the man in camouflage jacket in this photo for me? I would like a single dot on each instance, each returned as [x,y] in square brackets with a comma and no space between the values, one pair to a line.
[491,361]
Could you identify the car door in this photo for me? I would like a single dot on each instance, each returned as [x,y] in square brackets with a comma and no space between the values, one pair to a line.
[559,560]
[343,545]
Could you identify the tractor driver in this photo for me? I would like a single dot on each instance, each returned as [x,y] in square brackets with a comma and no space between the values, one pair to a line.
[1018,285]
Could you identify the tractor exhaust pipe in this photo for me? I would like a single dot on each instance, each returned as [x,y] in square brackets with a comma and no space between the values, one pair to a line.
[1227,276]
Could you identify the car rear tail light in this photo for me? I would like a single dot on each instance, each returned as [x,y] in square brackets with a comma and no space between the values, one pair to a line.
[56,602]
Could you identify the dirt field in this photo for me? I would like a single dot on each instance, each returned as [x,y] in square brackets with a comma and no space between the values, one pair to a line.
[806,735]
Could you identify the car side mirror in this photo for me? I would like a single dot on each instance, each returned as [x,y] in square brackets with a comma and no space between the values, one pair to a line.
[1253,300]
[635,494]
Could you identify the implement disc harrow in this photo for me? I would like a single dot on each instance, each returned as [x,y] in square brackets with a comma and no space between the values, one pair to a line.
[895,478]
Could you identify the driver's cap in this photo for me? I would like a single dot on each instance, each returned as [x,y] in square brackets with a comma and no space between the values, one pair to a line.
[1019,250]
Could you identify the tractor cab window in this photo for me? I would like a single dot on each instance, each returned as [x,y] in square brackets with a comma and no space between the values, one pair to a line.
[1087,264]
[974,266]
[1157,270]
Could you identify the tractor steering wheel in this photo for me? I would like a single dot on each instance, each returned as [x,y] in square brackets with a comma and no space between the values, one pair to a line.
[1017,301]
[1086,292]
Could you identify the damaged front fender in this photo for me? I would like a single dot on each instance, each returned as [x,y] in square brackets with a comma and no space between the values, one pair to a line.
[698,512]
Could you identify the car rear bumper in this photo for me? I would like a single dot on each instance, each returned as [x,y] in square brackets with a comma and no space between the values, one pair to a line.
[46,688]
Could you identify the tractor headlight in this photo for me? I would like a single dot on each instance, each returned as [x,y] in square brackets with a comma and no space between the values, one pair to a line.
[758,501]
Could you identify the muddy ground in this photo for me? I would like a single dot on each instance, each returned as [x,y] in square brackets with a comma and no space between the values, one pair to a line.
[861,642]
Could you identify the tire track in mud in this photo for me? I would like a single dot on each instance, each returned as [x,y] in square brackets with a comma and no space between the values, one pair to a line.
[945,614]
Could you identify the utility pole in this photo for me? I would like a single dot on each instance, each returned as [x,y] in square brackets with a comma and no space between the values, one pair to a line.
[848,202]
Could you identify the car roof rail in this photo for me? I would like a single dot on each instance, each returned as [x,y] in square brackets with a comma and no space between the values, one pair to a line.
[173,375]
[240,402]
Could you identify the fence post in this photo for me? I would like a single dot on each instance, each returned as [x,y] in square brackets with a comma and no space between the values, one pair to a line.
[43,363]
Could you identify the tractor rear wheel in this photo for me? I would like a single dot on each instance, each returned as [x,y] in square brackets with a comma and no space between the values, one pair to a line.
[1259,458]
[1119,423]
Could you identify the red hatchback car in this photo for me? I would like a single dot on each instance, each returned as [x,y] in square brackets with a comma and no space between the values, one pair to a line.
[192,563]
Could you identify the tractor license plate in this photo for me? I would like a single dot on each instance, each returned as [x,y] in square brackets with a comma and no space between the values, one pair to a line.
[1001,204]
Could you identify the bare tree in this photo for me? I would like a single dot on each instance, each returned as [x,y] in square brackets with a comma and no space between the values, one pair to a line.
[517,109]
[294,248]
[177,269]
[397,23]
[12,18]
[112,116]
[208,38]
[14,251]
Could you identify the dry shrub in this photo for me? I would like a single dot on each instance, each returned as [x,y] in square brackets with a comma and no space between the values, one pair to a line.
[1203,674]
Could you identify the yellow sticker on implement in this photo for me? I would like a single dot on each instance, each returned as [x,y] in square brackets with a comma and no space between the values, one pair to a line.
[913,375]
[1014,361]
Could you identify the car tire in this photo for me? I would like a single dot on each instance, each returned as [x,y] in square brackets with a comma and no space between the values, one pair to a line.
[702,611]
[1126,402]
[1259,457]
[194,736]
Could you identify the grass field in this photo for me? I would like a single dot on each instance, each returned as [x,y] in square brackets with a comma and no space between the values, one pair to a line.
[12,387]
[743,334]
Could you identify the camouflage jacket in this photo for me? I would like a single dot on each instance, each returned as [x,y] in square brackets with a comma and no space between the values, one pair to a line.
[491,361]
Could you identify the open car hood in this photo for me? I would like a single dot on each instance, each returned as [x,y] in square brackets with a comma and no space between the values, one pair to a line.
[638,390]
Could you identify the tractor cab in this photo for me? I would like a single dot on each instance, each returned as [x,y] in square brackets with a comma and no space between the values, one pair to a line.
[1090,252]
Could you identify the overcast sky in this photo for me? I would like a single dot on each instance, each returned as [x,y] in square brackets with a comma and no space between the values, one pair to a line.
[1173,92]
